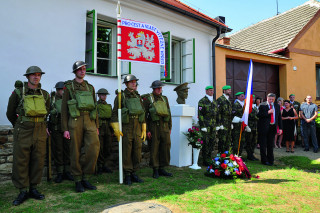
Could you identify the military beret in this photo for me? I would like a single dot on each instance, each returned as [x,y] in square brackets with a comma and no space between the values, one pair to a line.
[182,87]
[226,87]
[209,87]
[292,95]
[239,93]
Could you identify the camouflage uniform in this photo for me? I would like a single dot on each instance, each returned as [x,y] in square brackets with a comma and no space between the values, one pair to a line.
[207,114]
[252,137]
[237,110]
[224,118]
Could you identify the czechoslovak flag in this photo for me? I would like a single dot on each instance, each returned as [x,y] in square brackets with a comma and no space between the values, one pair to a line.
[248,100]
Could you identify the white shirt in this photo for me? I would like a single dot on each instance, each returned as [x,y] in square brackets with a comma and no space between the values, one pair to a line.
[240,102]
[227,96]
[210,97]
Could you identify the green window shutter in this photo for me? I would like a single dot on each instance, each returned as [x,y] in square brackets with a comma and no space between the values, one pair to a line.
[165,72]
[125,67]
[188,60]
[91,34]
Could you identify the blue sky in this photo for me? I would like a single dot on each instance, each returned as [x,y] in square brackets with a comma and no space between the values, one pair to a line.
[240,14]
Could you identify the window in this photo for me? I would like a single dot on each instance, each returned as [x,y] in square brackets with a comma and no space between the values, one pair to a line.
[101,40]
[318,81]
[180,61]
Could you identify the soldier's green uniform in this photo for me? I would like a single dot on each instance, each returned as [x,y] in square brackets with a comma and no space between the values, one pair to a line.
[252,137]
[159,123]
[224,119]
[105,134]
[60,146]
[27,111]
[237,110]
[207,114]
[79,118]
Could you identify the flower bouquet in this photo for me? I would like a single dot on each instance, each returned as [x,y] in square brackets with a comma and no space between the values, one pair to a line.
[194,137]
[227,165]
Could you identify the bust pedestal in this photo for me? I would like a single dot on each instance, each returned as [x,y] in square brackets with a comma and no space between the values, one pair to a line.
[181,153]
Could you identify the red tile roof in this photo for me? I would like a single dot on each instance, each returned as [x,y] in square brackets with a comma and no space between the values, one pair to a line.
[191,12]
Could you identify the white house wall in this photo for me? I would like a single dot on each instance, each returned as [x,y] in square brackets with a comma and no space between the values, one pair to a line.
[51,35]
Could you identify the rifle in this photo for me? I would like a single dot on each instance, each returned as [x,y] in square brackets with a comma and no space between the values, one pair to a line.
[49,169]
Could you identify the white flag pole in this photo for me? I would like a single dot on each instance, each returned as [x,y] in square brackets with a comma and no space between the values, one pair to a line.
[119,88]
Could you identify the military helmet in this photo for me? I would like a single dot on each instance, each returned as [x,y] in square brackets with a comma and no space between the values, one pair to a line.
[32,70]
[59,85]
[156,84]
[103,91]
[18,84]
[129,78]
[77,65]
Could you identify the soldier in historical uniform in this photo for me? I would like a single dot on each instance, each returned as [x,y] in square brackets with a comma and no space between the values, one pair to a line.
[237,112]
[296,106]
[105,132]
[79,122]
[159,126]
[207,114]
[60,146]
[251,134]
[133,127]
[224,119]
[27,110]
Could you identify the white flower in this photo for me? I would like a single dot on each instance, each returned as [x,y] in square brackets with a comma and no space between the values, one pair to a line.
[211,171]
[227,172]
[230,164]
[217,163]
[235,163]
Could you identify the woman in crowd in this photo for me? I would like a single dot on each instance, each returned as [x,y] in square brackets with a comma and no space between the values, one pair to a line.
[278,136]
[289,114]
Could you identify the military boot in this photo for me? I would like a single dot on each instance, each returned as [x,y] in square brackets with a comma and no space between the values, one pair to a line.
[79,187]
[33,193]
[106,169]
[21,198]
[135,178]
[59,178]
[127,180]
[163,172]
[88,185]
[68,176]
[155,173]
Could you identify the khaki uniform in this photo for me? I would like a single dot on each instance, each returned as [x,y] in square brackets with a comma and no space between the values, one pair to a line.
[207,114]
[105,137]
[84,146]
[30,136]
[160,128]
[224,118]
[59,145]
[131,129]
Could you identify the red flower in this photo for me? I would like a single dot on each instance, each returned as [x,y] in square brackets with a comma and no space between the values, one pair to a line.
[232,157]
[197,129]
[210,166]
[223,155]
[238,173]
[217,172]
[223,166]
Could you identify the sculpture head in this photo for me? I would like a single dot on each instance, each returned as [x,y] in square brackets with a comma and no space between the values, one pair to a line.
[182,92]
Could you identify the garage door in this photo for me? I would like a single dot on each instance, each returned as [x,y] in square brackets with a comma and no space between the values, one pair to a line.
[265,77]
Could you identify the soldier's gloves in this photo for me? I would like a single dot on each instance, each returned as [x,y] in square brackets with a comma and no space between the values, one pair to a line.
[217,128]
[248,129]
[204,130]
[231,126]
[117,132]
[221,127]
[236,120]
[144,132]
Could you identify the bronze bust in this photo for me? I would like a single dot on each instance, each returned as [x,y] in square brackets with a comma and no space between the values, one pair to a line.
[182,92]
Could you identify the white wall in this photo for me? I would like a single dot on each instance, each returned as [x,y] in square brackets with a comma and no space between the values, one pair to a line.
[51,35]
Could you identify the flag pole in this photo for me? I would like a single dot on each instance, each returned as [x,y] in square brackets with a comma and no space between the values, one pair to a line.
[119,87]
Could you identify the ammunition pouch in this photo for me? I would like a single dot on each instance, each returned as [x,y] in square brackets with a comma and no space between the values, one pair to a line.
[34,106]
[73,110]
[104,111]
[85,100]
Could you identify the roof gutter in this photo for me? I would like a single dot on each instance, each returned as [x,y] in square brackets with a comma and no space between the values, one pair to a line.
[214,61]
[199,18]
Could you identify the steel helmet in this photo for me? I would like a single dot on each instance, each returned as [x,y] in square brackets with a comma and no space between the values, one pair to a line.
[77,65]
[129,78]
[103,91]
[33,69]
[59,85]
[156,84]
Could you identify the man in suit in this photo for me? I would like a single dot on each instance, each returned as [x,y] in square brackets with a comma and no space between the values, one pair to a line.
[269,118]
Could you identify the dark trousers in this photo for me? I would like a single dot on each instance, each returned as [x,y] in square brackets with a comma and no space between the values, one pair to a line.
[266,140]
[309,129]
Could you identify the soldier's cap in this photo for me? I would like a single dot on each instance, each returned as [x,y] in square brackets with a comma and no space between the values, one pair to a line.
[156,84]
[32,70]
[292,95]
[226,87]
[181,87]
[239,93]
[59,85]
[209,87]
[103,91]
